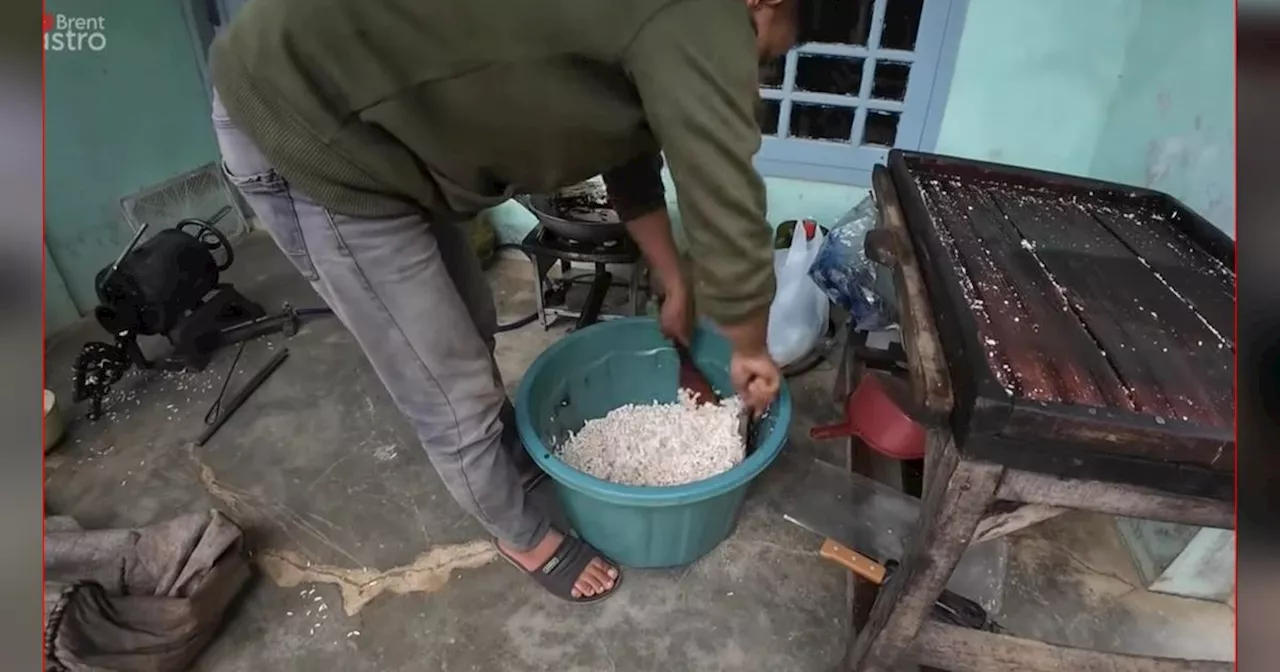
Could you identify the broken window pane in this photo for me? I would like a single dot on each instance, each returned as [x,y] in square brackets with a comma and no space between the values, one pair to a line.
[881,128]
[771,73]
[901,23]
[838,21]
[829,74]
[890,82]
[768,114]
[821,122]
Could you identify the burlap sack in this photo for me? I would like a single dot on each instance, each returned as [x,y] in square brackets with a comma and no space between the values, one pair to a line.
[145,600]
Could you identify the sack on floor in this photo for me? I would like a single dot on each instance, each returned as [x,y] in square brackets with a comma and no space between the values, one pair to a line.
[800,310]
[144,600]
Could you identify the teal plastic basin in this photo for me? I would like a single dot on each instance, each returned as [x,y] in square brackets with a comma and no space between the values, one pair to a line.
[595,370]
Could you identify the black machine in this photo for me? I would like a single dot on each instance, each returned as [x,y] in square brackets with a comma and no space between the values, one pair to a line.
[168,285]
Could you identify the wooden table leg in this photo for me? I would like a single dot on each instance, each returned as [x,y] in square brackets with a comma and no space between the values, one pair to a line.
[956,497]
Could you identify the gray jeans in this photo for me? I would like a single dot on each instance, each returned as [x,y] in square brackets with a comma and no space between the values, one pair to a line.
[415,298]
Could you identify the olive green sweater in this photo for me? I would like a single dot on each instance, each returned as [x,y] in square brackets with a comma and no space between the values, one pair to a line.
[384,107]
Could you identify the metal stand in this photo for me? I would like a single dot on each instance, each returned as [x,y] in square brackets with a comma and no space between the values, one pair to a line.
[547,250]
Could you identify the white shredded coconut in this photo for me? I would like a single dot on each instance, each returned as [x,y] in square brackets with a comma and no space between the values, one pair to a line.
[659,444]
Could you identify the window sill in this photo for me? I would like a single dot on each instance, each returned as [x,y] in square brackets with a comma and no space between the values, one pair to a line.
[810,172]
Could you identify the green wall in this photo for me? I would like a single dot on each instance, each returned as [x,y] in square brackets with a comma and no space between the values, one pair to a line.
[117,120]
[1033,80]
[1170,125]
[59,310]
[1134,91]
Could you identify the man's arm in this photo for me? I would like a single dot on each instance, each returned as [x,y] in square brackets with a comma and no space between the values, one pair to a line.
[636,192]
[694,65]
[652,233]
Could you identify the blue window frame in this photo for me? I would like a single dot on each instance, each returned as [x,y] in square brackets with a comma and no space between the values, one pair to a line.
[867,76]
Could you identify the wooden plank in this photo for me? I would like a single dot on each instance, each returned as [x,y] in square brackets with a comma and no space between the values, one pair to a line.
[860,594]
[927,366]
[1004,523]
[1021,315]
[957,494]
[1116,499]
[957,649]
[1067,433]
[1172,364]
[1203,281]
[1066,459]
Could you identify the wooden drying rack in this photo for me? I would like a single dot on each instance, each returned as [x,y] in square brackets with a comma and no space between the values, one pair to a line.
[959,494]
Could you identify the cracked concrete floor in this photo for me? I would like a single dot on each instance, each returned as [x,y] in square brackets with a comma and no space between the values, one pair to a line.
[367,564]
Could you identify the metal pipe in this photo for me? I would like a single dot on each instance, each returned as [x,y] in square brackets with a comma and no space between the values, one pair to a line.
[595,297]
[133,242]
[241,395]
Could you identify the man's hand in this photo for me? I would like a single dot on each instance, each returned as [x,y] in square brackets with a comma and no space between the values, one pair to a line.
[676,317]
[754,374]
[756,378]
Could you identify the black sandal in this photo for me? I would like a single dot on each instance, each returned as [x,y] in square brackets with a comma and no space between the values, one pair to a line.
[558,574]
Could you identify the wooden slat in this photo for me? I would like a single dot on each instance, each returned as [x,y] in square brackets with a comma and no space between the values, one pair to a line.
[1203,281]
[1172,365]
[1024,317]
[1115,499]
[927,366]
[950,647]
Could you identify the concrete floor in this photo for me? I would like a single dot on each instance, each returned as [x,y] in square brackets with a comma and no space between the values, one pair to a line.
[367,564]
[1071,581]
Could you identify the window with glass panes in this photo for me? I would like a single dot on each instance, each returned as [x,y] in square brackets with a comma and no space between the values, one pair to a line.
[867,76]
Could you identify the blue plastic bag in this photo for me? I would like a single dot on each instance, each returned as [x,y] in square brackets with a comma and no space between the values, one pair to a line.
[846,276]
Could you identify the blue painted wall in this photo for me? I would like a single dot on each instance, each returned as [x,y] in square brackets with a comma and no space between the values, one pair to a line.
[1033,81]
[1170,125]
[1134,91]
[117,120]
[59,310]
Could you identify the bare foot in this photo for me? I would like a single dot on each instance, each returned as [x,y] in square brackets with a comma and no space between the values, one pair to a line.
[598,577]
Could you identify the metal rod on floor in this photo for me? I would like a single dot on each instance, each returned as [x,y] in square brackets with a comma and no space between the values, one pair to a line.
[242,394]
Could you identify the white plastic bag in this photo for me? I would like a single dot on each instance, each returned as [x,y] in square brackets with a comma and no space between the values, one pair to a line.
[800,310]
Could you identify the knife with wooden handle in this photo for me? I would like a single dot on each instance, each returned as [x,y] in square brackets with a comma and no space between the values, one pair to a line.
[853,561]
[949,607]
